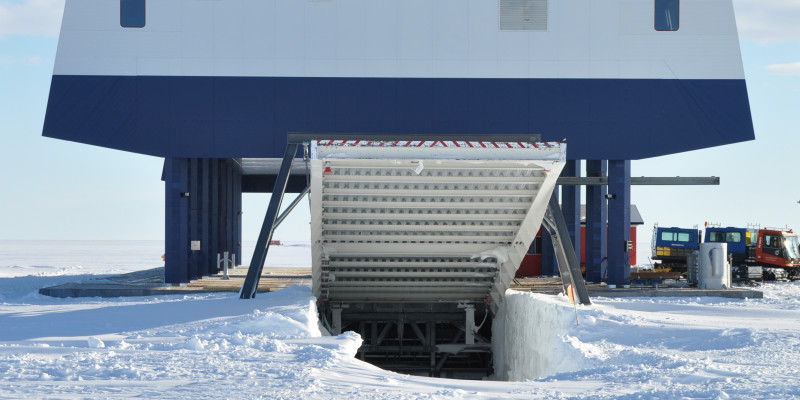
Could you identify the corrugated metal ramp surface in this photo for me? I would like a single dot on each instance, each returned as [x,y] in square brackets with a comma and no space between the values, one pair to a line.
[425,221]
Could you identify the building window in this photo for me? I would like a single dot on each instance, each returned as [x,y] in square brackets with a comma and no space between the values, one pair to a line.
[131,13]
[667,15]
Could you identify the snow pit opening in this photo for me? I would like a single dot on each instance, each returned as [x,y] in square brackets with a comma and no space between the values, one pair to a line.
[529,337]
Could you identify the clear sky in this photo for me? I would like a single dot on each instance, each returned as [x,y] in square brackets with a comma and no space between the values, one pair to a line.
[53,189]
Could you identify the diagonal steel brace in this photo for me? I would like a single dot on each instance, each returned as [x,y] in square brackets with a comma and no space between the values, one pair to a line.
[250,286]
[568,264]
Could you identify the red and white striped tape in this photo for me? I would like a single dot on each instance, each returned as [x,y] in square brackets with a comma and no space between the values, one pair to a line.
[437,143]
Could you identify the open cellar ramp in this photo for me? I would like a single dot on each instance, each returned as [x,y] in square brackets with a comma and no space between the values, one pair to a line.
[420,221]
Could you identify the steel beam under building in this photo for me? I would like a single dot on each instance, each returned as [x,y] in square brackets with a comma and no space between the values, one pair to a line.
[597,225]
[643,180]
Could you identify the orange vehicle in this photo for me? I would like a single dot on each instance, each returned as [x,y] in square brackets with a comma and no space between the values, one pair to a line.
[776,251]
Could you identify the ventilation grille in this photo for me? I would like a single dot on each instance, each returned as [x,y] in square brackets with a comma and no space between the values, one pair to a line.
[523,15]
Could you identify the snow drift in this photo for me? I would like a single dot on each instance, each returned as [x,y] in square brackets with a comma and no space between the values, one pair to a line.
[217,346]
[530,337]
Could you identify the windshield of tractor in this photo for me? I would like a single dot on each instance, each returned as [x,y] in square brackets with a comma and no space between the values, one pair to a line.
[791,246]
[714,236]
[723,236]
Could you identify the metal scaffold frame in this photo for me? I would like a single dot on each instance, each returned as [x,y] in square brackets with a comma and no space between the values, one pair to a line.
[423,229]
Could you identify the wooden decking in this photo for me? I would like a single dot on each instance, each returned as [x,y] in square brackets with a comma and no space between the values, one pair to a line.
[552,285]
[151,282]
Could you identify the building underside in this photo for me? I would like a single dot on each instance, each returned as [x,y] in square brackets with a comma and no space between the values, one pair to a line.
[443,338]
[203,204]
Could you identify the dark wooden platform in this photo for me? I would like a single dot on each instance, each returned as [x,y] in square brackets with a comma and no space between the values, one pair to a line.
[552,285]
[151,282]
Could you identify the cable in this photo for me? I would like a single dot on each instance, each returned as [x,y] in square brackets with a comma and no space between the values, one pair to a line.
[477,328]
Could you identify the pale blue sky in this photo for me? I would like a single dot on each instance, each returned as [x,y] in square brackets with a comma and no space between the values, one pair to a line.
[53,189]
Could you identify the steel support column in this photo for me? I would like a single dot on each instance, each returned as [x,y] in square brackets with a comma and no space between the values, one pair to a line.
[571,205]
[619,222]
[228,209]
[336,324]
[209,248]
[469,323]
[596,223]
[176,216]
[194,217]
[236,215]
[549,264]
[216,229]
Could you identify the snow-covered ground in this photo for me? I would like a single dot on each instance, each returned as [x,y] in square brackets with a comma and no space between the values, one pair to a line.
[217,346]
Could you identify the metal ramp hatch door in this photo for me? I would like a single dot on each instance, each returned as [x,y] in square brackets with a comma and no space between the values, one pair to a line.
[425,221]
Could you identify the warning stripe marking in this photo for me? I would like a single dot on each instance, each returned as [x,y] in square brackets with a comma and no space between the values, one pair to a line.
[438,143]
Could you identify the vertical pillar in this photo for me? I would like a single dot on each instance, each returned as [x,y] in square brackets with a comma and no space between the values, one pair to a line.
[208,249]
[571,205]
[469,334]
[224,207]
[236,232]
[194,217]
[549,266]
[176,218]
[336,315]
[229,208]
[619,223]
[430,345]
[215,192]
[596,223]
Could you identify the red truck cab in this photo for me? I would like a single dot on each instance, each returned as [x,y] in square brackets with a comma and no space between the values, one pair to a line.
[778,248]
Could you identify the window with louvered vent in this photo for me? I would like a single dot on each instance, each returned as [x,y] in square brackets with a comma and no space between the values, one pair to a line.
[523,15]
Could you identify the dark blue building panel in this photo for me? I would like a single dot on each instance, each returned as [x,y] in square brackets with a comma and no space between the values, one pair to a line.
[249,117]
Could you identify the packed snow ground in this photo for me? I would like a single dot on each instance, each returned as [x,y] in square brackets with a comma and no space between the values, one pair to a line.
[217,346]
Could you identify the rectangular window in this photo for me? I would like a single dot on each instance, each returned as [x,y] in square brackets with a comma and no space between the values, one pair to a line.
[734,237]
[676,236]
[772,241]
[131,13]
[716,236]
[667,15]
[721,237]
